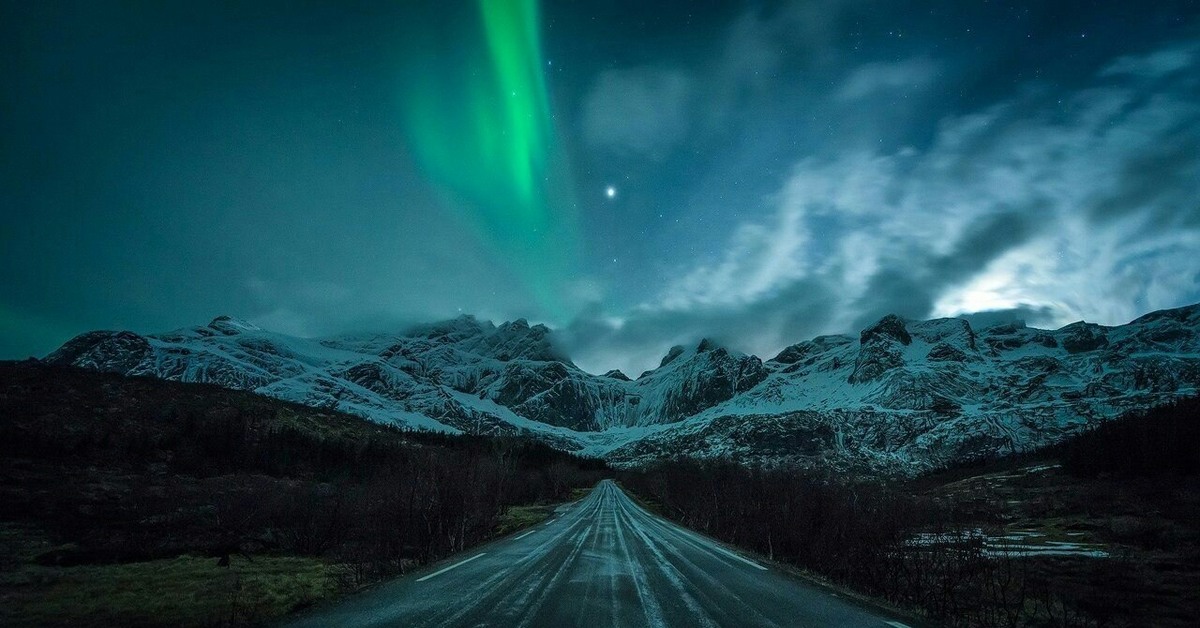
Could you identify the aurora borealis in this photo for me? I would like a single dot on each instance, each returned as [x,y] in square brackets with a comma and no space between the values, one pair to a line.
[634,174]
[480,126]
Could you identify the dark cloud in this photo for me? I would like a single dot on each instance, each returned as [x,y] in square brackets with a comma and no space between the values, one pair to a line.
[799,311]
[910,285]
[1159,185]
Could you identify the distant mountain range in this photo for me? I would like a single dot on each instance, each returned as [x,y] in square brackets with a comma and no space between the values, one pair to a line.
[903,396]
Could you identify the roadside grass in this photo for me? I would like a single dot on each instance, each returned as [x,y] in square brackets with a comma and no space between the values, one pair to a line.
[187,591]
[517,517]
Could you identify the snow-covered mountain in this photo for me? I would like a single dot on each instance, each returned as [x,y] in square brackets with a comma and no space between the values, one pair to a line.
[904,395]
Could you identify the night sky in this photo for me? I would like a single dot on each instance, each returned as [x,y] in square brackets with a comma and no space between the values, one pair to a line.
[636,174]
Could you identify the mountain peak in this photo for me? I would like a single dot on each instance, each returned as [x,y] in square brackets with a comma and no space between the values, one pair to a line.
[890,326]
[617,374]
[675,352]
[451,330]
[229,325]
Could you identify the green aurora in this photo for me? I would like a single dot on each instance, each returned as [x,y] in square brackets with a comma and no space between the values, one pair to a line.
[478,122]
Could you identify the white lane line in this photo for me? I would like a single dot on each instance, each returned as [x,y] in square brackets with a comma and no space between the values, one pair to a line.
[732,555]
[703,542]
[458,564]
[524,535]
[895,624]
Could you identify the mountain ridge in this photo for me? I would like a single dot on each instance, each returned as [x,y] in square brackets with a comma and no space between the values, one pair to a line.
[905,395]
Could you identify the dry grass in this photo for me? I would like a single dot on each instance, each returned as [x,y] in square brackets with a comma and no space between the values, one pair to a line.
[187,591]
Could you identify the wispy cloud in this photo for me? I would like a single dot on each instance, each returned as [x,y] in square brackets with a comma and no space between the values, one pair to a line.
[872,78]
[1083,206]
[1161,63]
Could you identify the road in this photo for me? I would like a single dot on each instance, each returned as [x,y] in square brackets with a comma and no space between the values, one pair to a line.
[604,561]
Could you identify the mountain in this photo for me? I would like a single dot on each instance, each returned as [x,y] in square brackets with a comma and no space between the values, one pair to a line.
[903,396]
[910,395]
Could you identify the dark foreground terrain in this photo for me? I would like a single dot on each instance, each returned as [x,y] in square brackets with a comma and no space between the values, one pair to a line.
[1100,530]
[139,502]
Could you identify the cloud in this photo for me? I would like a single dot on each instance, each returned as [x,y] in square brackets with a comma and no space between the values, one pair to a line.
[760,46]
[1034,317]
[385,278]
[638,110]
[1153,65]
[1061,207]
[874,78]
[647,110]
[637,340]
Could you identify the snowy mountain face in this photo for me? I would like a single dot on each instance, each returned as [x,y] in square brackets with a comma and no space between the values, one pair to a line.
[903,396]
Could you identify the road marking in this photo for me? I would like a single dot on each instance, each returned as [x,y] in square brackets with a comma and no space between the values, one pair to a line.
[707,543]
[744,560]
[524,535]
[896,624]
[459,564]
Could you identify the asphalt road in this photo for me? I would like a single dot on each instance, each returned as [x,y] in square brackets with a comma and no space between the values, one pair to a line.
[604,561]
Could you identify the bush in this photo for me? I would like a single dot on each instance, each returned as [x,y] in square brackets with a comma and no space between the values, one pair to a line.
[1160,441]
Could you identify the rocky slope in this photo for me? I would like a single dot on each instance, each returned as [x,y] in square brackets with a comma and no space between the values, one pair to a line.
[903,396]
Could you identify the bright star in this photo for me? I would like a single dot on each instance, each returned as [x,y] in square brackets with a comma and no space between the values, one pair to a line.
[610,191]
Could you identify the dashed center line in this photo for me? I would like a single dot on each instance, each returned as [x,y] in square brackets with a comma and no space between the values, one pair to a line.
[896,624]
[444,570]
[524,535]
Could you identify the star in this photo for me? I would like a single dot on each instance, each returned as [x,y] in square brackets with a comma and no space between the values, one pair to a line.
[610,192]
